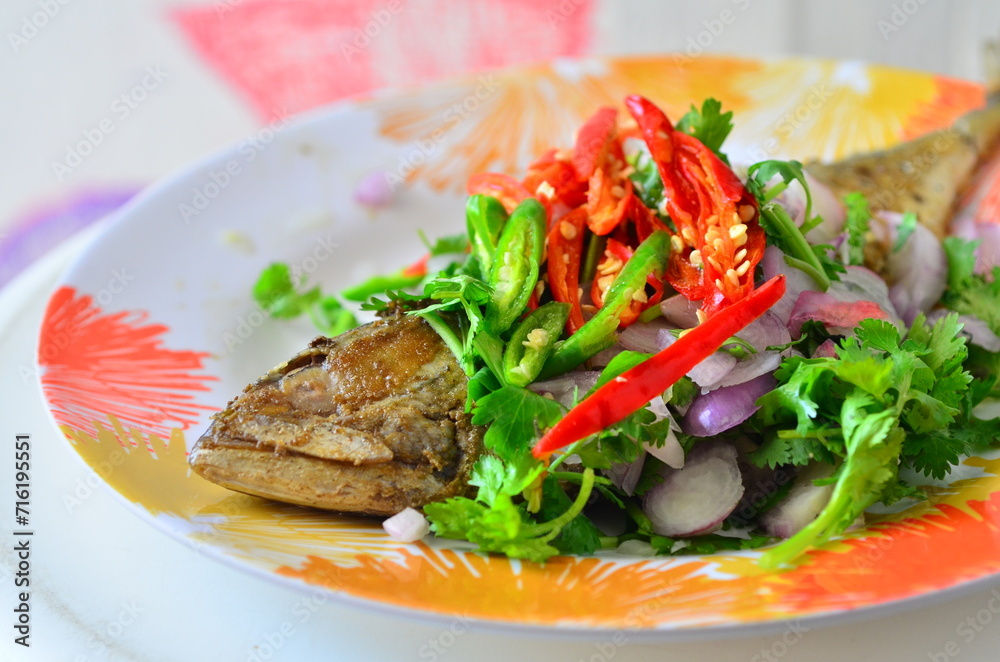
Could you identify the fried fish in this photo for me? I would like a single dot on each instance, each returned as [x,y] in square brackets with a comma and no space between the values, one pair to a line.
[372,421]
[925,175]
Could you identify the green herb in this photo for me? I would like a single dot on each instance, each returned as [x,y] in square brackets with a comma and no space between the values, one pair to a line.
[516,417]
[709,125]
[381,284]
[579,536]
[970,293]
[961,254]
[446,245]
[906,228]
[496,523]
[882,401]
[281,298]
[816,261]
[646,179]
[857,224]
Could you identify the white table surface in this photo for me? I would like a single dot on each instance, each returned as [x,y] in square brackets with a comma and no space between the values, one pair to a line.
[106,585]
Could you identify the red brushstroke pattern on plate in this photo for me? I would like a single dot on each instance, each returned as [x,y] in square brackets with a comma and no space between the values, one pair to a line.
[292,56]
[96,364]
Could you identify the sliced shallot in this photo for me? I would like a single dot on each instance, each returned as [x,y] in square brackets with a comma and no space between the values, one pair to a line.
[408,525]
[725,408]
[804,502]
[696,499]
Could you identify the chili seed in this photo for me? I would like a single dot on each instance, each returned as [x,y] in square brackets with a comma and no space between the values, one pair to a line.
[545,190]
[567,230]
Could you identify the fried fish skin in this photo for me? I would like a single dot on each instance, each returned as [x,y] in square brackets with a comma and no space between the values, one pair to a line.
[372,421]
[924,176]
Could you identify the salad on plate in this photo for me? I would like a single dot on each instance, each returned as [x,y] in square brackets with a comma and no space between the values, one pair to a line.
[638,346]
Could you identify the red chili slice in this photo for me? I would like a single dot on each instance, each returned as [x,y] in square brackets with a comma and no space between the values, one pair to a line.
[716,218]
[593,141]
[633,389]
[504,188]
[565,251]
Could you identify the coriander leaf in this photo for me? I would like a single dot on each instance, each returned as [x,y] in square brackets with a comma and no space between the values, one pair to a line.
[646,179]
[898,489]
[961,254]
[856,225]
[624,441]
[778,449]
[278,295]
[481,384]
[488,475]
[712,543]
[381,284]
[873,441]
[906,228]
[970,293]
[682,393]
[579,536]
[331,318]
[933,454]
[516,418]
[275,292]
[455,243]
[709,125]
[760,174]
[651,475]
[454,293]
[502,525]
[801,383]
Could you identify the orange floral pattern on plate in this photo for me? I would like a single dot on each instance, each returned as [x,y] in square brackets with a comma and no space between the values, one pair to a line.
[886,562]
[97,363]
[785,109]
